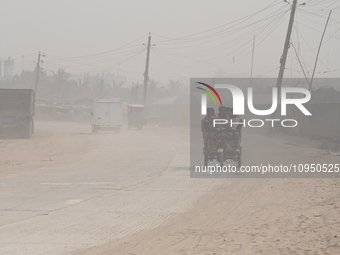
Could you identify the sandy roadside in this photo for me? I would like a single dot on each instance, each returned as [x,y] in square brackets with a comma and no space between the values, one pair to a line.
[250,216]
[247,217]
[243,216]
[52,144]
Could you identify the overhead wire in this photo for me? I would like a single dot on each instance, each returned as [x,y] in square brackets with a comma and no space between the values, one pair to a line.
[211,48]
[226,44]
[229,31]
[110,51]
[118,57]
[208,30]
[270,29]
[128,58]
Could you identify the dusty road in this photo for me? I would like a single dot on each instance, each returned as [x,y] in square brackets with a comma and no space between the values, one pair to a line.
[67,188]
[67,191]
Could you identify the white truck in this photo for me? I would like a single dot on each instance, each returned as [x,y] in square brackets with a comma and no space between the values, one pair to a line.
[107,115]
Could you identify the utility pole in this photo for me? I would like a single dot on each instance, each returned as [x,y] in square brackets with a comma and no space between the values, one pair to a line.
[136,93]
[317,55]
[252,62]
[285,51]
[146,73]
[37,74]
[283,63]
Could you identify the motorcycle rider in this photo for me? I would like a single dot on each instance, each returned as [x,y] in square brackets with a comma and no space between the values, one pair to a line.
[236,128]
[222,112]
[206,125]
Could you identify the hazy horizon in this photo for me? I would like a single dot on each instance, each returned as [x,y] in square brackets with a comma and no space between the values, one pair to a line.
[192,39]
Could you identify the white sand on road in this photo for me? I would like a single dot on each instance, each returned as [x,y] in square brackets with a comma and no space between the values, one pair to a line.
[67,191]
[67,188]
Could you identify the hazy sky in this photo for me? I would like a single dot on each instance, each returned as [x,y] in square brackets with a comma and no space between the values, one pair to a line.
[193,38]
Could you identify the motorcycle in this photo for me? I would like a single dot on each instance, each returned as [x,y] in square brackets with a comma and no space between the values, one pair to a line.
[223,148]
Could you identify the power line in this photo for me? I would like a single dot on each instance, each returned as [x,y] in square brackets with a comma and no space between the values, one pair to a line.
[227,31]
[208,30]
[106,52]
[132,54]
[268,71]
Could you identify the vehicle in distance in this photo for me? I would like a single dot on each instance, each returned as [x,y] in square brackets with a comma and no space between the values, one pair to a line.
[107,115]
[17,108]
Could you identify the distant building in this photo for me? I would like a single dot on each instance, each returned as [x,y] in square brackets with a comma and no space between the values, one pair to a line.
[9,67]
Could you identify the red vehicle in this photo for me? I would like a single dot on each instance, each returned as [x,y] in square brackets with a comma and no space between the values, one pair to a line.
[223,149]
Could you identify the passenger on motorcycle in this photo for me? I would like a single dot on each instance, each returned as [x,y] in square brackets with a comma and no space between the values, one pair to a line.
[236,127]
[223,113]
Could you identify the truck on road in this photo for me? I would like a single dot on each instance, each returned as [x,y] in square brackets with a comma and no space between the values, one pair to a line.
[17,108]
[107,115]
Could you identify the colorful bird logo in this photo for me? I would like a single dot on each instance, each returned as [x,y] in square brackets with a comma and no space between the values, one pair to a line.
[209,93]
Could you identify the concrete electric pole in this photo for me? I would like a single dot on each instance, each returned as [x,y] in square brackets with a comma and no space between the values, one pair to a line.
[37,74]
[317,55]
[146,73]
[283,64]
[285,51]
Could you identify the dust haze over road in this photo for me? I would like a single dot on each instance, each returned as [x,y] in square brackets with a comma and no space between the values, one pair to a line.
[71,69]
[67,191]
